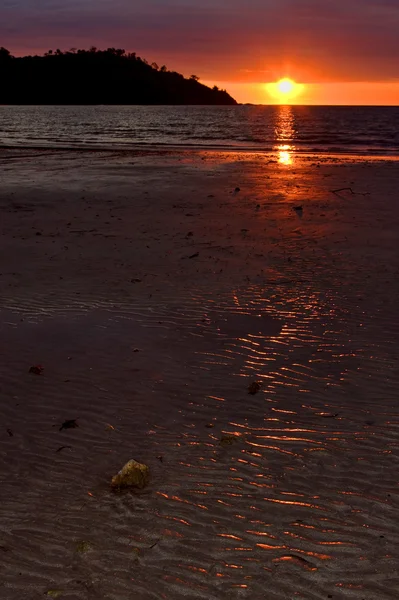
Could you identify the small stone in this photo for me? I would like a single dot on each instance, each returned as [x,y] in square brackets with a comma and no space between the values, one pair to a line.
[254,388]
[133,474]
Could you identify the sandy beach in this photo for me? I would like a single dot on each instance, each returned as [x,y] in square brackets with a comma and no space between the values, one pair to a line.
[154,288]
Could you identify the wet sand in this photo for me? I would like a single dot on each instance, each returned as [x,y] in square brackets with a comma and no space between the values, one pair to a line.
[153,294]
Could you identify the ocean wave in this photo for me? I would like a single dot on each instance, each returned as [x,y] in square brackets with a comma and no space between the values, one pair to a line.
[354,130]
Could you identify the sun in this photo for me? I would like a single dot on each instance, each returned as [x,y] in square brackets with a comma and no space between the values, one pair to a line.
[285,86]
[284,90]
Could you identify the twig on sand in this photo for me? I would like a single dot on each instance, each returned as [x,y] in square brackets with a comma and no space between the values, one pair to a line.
[349,189]
[63,448]
[344,189]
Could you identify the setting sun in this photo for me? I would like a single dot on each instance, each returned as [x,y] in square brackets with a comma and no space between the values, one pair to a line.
[284,90]
[285,86]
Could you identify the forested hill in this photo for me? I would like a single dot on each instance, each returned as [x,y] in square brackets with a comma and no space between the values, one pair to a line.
[94,76]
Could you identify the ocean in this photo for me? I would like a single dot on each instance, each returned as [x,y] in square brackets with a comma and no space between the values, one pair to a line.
[302,129]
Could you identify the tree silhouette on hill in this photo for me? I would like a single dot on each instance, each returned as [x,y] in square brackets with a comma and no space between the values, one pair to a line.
[93,76]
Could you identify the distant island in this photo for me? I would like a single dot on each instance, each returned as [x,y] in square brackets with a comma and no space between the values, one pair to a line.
[93,76]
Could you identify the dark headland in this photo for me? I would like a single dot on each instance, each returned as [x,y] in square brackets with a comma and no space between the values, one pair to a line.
[93,76]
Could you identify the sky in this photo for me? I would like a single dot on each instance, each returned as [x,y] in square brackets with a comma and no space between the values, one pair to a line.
[343,51]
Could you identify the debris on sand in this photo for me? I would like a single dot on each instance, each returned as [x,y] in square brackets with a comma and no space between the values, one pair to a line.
[194,255]
[36,370]
[54,593]
[254,387]
[237,190]
[228,440]
[328,415]
[69,424]
[133,474]
[297,208]
[83,547]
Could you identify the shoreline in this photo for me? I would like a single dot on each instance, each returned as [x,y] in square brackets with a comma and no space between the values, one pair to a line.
[170,149]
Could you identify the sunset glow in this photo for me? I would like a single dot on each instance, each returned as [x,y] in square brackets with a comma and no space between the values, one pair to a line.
[283,91]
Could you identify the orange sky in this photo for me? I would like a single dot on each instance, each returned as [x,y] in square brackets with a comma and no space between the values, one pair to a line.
[345,93]
[345,51]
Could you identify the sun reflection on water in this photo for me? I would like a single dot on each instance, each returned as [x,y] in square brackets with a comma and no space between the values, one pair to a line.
[285,135]
[285,155]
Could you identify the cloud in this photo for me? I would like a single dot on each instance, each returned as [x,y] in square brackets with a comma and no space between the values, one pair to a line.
[316,39]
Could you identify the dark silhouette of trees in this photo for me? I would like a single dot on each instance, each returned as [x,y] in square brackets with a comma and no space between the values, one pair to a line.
[94,76]
[4,54]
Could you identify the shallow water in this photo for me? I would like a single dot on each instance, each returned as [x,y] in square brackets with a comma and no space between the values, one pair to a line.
[302,501]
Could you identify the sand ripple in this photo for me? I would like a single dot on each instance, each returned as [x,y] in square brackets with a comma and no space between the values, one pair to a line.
[302,503]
